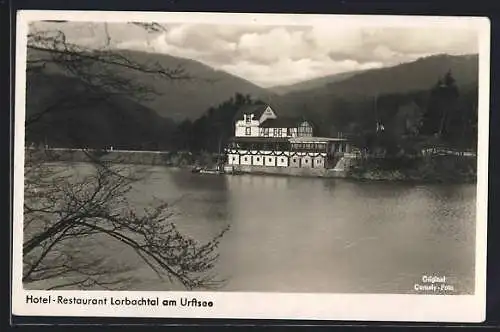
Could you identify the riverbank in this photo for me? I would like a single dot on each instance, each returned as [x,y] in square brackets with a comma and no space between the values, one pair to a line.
[432,168]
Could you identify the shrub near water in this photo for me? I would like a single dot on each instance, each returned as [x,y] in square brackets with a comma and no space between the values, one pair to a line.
[430,168]
[446,169]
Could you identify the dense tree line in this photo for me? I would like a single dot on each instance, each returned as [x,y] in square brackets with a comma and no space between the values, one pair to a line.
[396,123]
[210,132]
[405,123]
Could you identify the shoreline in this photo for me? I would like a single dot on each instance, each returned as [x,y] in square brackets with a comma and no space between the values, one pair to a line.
[367,179]
[433,170]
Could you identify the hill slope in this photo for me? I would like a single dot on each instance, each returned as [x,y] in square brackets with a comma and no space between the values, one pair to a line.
[79,119]
[313,83]
[421,74]
[176,99]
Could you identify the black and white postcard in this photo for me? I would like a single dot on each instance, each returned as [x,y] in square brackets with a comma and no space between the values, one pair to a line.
[266,166]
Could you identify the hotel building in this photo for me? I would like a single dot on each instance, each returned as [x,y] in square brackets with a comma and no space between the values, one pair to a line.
[263,139]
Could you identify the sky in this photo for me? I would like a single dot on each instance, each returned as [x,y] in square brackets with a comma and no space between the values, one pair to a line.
[270,55]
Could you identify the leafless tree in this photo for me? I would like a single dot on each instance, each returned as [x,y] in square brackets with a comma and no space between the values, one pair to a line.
[67,214]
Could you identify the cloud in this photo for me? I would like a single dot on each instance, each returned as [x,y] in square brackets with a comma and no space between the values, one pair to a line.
[435,40]
[271,55]
[287,70]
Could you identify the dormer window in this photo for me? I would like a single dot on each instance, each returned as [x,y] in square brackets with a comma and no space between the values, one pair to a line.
[304,129]
[248,118]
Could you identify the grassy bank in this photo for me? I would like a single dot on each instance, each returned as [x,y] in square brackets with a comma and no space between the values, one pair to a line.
[442,169]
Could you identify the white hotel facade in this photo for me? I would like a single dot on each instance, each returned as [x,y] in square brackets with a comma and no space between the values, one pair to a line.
[263,139]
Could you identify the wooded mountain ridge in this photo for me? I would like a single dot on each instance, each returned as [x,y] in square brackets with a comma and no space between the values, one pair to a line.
[150,123]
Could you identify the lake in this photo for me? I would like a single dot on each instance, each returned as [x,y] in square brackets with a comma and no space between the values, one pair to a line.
[291,234]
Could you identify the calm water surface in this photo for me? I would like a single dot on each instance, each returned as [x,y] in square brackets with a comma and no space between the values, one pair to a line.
[323,235]
[319,235]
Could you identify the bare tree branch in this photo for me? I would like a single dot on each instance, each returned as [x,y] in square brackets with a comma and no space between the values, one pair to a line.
[66,212]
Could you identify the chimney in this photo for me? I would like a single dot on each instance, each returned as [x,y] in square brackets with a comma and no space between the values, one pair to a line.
[244,117]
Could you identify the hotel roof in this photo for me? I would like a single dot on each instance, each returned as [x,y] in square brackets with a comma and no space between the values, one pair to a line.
[281,122]
[313,139]
[258,139]
[256,110]
[304,139]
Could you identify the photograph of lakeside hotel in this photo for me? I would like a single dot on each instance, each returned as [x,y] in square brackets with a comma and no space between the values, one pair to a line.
[266,142]
[242,172]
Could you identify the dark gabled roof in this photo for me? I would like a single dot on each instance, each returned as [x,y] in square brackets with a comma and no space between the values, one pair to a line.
[282,122]
[257,139]
[315,139]
[256,109]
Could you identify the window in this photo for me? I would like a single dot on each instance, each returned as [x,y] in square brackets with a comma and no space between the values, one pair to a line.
[258,159]
[248,118]
[294,160]
[280,132]
[275,132]
[282,160]
[305,129]
[245,159]
[270,159]
[234,158]
[248,131]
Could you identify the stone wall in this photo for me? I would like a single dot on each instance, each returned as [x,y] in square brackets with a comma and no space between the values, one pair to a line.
[124,157]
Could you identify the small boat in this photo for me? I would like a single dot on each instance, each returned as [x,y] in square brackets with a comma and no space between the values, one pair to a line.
[211,171]
[196,169]
[216,170]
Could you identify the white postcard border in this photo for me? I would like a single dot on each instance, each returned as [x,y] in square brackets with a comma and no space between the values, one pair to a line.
[365,307]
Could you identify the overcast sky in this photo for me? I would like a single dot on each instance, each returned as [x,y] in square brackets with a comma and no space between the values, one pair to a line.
[275,55]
